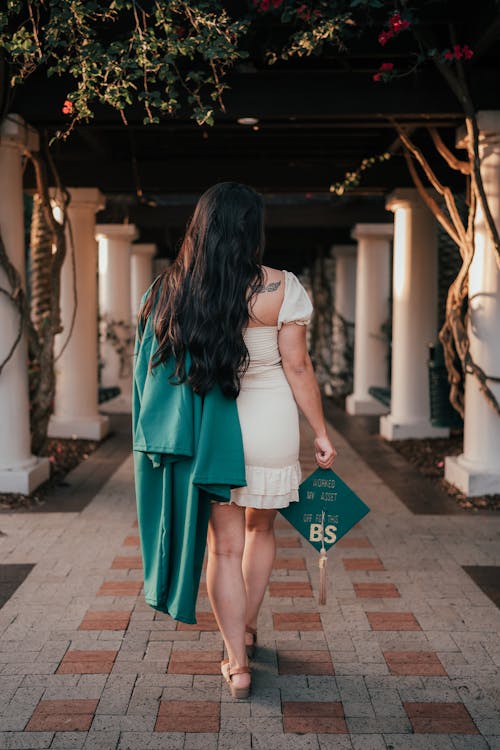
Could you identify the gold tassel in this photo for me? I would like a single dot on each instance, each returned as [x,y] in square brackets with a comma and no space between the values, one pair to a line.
[322,576]
[322,563]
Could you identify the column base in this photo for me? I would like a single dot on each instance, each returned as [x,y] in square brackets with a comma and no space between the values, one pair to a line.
[365,405]
[392,428]
[84,428]
[470,478]
[26,478]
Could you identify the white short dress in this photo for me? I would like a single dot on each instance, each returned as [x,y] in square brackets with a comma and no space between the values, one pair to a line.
[268,413]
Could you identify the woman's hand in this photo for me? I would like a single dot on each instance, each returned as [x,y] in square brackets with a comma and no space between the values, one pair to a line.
[324,452]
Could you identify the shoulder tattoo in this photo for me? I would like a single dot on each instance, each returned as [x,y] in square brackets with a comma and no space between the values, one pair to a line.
[269,287]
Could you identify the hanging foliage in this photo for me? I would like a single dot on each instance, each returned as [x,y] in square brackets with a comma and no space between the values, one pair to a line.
[156,55]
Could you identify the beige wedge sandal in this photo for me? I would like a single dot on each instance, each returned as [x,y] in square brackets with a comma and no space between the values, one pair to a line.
[227,673]
[250,647]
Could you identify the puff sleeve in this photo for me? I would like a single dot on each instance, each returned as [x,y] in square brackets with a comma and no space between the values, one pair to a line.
[296,307]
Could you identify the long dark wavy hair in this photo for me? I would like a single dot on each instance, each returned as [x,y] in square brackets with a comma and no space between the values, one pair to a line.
[201,303]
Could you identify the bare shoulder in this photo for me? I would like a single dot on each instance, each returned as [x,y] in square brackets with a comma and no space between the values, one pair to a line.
[273,280]
[269,298]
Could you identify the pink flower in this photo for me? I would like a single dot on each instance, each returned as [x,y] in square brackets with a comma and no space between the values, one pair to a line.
[67,108]
[383,71]
[384,37]
[397,24]
[304,12]
[394,19]
[264,5]
[277,3]
[458,52]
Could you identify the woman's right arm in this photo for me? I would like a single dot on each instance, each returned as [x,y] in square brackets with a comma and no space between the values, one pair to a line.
[300,374]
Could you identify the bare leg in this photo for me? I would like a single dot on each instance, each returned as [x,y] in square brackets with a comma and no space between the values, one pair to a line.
[258,559]
[225,585]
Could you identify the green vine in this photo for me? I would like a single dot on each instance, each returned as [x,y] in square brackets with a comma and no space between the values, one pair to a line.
[353,179]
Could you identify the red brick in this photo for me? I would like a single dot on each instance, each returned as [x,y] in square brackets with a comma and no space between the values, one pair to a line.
[199,654]
[413,663]
[288,541]
[310,724]
[205,621]
[305,662]
[127,563]
[97,620]
[133,540]
[188,716]
[297,621]
[135,524]
[350,542]
[195,662]
[306,717]
[290,588]
[120,588]
[376,590]
[289,563]
[202,591]
[62,716]
[392,621]
[313,708]
[440,718]
[363,563]
[87,662]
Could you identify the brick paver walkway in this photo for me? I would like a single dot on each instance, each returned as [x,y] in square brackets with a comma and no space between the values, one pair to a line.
[405,653]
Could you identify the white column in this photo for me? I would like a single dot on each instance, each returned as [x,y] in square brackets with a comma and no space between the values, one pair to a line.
[141,272]
[76,411]
[372,310]
[19,470]
[414,317]
[115,311]
[159,265]
[477,470]
[344,298]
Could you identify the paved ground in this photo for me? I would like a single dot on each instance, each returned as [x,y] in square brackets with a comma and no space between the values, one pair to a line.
[405,653]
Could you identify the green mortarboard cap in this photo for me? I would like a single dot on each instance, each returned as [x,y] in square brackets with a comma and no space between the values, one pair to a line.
[326,510]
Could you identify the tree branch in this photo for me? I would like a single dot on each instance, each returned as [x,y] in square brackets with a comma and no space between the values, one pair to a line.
[18,298]
[460,166]
[431,204]
[473,139]
[441,189]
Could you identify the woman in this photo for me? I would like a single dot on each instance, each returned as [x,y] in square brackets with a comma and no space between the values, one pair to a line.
[243,326]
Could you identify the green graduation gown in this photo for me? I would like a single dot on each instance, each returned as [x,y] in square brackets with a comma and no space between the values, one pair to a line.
[187,449]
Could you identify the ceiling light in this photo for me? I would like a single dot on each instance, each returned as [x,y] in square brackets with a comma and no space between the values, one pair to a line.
[247,120]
